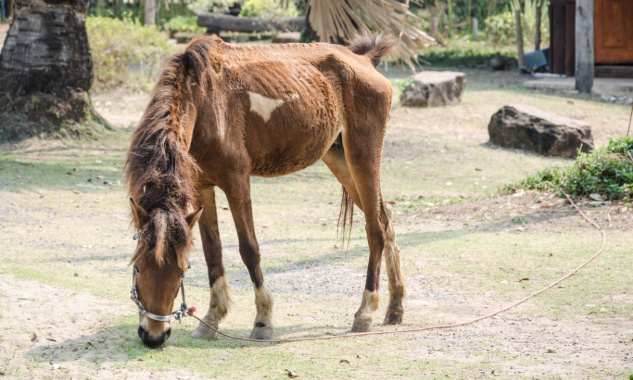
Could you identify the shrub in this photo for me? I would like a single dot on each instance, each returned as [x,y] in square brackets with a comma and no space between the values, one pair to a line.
[268,9]
[501,30]
[466,54]
[607,171]
[183,24]
[124,52]
[215,6]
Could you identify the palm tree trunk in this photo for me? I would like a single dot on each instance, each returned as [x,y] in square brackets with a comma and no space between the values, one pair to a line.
[46,48]
[46,71]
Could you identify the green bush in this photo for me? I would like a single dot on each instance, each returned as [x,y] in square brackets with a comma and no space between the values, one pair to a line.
[124,52]
[467,54]
[215,6]
[268,9]
[607,171]
[183,24]
[501,30]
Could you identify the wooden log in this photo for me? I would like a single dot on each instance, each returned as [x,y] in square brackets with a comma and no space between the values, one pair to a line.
[519,32]
[584,46]
[218,22]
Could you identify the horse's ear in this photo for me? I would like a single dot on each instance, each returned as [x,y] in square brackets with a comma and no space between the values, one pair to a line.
[140,215]
[193,217]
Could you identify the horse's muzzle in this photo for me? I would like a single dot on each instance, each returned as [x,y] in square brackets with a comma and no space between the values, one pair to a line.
[151,341]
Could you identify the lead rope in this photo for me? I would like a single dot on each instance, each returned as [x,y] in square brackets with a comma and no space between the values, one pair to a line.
[192,309]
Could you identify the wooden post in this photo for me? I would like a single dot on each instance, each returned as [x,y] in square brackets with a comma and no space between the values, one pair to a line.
[475,29]
[584,46]
[435,31]
[537,25]
[519,33]
[150,12]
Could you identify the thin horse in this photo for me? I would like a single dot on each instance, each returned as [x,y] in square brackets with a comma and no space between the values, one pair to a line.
[222,113]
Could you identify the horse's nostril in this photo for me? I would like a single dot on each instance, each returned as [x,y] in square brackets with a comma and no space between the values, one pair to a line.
[150,341]
[142,333]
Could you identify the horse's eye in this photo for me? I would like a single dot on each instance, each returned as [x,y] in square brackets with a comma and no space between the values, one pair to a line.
[136,270]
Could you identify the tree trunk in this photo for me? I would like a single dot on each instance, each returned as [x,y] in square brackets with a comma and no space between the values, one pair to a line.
[537,25]
[584,46]
[519,34]
[46,48]
[46,71]
[150,12]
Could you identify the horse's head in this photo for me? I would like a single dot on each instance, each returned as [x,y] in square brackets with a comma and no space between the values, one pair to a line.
[159,264]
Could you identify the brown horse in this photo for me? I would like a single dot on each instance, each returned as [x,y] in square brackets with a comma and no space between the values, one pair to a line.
[222,113]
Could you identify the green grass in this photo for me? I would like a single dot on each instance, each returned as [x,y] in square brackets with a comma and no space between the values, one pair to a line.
[56,225]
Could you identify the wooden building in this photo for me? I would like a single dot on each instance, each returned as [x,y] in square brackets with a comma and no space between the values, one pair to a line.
[613,37]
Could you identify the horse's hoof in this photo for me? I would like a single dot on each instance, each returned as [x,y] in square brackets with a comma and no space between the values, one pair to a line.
[203,332]
[393,317]
[262,333]
[361,325]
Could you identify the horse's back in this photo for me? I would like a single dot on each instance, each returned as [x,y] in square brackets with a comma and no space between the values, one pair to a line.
[285,105]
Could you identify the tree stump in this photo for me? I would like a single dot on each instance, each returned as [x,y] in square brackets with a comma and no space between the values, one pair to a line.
[434,88]
[528,128]
[46,72]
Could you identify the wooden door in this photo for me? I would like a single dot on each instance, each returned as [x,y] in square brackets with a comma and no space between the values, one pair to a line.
[613,31]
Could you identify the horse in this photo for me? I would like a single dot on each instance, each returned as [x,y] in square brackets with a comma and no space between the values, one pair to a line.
[221,113]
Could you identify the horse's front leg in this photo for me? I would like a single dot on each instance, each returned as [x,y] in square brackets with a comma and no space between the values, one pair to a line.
[238,195]
[210,235]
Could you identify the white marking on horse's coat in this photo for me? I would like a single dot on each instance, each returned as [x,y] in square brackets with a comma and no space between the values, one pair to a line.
[263,106]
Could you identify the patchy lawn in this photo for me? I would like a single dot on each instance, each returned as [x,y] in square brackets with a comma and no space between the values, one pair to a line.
[65,279]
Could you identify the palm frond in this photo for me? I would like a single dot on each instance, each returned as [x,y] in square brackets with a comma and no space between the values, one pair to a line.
[334,20]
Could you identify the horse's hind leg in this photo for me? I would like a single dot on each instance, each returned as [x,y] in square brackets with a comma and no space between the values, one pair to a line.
[336,161]
[238,195]
[210,235]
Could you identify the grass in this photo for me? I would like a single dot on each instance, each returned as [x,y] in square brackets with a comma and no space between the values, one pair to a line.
[62,225]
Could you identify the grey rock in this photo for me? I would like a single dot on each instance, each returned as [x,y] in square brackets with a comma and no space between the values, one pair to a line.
[528,128]
[434,88]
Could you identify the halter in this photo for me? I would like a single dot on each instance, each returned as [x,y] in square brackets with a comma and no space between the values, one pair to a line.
[177,314]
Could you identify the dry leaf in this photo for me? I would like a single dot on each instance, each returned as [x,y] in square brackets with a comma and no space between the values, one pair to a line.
[390,202]
[291,373]
[51,339]
[34,338]
[524,279]
[344,361]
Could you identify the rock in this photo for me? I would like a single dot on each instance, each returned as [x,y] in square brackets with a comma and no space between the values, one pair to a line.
[498,63]
[434,88]
[285,38]
[528,128]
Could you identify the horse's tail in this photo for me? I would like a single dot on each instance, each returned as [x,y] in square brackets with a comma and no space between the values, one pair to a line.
[373,46]
[345,217]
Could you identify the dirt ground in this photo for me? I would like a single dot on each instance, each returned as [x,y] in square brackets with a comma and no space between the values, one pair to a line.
[536,347]
[39,343]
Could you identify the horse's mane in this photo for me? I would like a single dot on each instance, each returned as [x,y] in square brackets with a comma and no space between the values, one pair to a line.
[160,173]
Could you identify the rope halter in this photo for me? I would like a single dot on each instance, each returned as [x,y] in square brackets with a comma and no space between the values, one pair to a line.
[177,314]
